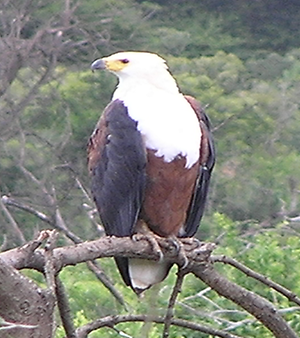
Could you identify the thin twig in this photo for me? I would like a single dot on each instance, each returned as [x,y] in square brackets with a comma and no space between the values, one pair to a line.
[172,301]
[263,279]
[98,272]
[198,294]
[12,222]
[5,325]
[42,216]
[228,119]
[202,314]
[111,321]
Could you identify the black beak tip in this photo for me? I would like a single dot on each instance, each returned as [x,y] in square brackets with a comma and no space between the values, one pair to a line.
[98,64]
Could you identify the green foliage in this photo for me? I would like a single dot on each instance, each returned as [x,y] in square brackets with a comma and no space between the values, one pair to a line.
[52,145]
[191,28]
[233,25]
[254,120]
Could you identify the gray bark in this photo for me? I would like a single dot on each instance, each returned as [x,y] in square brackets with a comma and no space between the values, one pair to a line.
[26,309]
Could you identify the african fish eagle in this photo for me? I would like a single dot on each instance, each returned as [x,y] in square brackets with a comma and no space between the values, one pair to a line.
[150,158]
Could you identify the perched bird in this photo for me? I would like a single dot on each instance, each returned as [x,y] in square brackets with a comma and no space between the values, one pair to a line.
[150,158]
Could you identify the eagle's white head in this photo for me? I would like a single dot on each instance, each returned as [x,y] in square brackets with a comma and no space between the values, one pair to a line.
[138,68]
[166,120]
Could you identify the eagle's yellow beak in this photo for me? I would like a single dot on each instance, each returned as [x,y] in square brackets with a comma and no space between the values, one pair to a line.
[113,65]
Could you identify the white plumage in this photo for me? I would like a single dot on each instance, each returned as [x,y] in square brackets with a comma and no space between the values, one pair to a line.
[165,118]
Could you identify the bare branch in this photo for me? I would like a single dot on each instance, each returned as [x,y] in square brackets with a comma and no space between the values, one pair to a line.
[111,321]
[60,225]
[95,268]
[259,307]
[13,223]
[5,325]
[263,279]
[172,301]
[13,202]
[223,123]
[64,309]
[211,315]
[49,261]
[100,248]
[56,224]
[215,315]
[19,107]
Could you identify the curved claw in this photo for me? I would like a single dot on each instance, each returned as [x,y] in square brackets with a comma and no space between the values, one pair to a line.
[150,238]
[144,233]
[180,251]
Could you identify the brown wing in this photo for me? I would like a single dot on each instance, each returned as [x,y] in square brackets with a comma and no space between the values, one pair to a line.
[207,161]
[97,142]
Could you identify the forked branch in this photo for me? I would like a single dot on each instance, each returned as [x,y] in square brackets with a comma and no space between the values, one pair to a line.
[199,264]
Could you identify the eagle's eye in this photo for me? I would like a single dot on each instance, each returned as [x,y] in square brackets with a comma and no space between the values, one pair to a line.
[124,60]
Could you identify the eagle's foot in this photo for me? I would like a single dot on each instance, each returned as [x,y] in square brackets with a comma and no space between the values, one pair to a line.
[190,243]
[146,234]
[179,247]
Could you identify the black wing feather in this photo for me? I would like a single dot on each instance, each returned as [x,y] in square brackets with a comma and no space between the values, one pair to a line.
[117,162]
[118,178]
[197,205]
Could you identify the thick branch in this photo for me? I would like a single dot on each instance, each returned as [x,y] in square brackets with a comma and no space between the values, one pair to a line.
[199,265]
[21,258]
[263,279]
[22,302]
[259,307]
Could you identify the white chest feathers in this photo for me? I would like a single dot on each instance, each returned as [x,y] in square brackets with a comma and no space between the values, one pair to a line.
[166,120]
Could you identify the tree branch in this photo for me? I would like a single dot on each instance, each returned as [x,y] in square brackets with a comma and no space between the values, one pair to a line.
[60,225]
[111,321]
[23,302]
[98,272]
[49,261]
[12,222]
[198,264]
[263,279]
[259,307]
[55,223]
[20,258]
[64,309]
[172,301]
